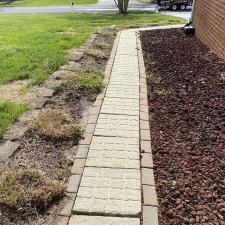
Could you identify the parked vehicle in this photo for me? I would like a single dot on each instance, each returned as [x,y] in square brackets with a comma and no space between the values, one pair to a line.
[174,4]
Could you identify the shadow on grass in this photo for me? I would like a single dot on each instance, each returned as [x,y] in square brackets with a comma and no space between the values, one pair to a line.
[132,18]
[6,2]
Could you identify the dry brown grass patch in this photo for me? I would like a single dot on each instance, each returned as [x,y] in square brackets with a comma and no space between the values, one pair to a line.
[54,123]
[102,45]
[18,91]
[28,188]
[95,53]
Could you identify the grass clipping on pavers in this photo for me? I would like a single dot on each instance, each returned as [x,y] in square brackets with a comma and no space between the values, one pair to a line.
[56,124]
[28,188]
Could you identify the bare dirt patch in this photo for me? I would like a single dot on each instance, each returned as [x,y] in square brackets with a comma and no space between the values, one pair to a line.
[187,127]
[18,91]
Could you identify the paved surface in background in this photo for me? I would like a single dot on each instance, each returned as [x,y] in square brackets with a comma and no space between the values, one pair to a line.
[69,9]
[101,6]
[186,14]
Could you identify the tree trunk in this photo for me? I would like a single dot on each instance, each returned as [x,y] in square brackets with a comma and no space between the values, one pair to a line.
[123,6]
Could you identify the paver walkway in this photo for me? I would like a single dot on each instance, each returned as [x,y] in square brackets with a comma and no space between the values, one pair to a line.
[112,176]
[110,188]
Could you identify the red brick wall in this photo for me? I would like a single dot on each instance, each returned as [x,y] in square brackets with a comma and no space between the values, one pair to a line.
[209,22]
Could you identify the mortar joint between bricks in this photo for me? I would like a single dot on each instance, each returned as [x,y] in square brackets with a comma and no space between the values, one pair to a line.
[151,191]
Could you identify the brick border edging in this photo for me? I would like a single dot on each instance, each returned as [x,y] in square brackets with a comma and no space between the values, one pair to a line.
[82,151]
[149,196]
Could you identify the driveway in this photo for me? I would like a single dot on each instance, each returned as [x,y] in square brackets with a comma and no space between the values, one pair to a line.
[101,6]
[75,8]
[186,14]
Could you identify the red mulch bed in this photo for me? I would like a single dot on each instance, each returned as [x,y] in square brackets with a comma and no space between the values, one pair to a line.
[186,90]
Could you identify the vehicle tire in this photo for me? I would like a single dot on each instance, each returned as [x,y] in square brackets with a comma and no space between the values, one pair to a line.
[183,7]
[174,7]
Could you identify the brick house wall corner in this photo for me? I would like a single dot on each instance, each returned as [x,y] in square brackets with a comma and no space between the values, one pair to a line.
[209,22]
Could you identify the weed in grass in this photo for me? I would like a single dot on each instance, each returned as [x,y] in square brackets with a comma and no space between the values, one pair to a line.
[64,162]
[151,77]
[64,167]
[102,45]
[88,81]
[108,34]
[26,187]
[62,173]
[9,111]
[161,91]
[77,130]
[95,53]
[56,124]
[23,90]
[152,62]
[158,88]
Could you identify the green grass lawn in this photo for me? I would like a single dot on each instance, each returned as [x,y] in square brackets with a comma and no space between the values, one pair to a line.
[34,45]
[9,111]
[43,2]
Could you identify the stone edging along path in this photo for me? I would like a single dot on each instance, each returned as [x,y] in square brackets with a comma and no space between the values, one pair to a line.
[112,178]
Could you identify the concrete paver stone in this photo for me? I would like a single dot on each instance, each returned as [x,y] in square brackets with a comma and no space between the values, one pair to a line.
[146,146]
[7,148]
[149,194]
[120,106]
[150,215]
[121,91]
[117,125]
[114,152]
[109,191]
[146,160]
[16,131]
[147,176]
[61,220]
[82,152]
[73,183]
[100,220]
[120,79]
